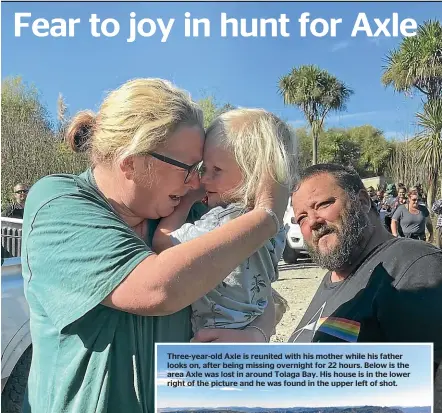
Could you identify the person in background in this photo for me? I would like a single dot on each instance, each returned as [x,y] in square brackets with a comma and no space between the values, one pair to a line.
[400,200]
[420,191]
[379,198]
[412,219]
[437,209]
[390,199]
[15,210]
[378,289]
[371,193]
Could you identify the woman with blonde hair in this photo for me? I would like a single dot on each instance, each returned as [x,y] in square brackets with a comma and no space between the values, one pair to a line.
[241,146]
[99,297]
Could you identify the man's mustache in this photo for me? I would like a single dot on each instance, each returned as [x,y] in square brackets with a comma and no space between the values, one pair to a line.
[323,230]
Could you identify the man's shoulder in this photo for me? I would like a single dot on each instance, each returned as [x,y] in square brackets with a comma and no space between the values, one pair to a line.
[400,255]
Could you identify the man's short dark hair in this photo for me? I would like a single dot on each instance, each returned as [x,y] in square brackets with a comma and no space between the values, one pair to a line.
[346,177]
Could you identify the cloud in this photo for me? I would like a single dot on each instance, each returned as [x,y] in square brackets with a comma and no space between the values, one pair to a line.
[162,378]
[379,40]
[357,115]
[230,389]
[339,118]
[296,123]
[162,381]
[226,388]
[339,46]
[396,135]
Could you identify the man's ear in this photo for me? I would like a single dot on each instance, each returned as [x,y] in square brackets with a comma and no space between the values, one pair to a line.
[127,167]
[365,200]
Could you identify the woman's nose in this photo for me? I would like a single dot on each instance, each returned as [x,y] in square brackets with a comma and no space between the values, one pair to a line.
[194,181]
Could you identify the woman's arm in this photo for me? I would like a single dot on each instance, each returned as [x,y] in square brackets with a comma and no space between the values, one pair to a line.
[394,227]
[165,283]
[429,226]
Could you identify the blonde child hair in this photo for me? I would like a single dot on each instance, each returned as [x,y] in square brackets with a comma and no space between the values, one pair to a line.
[262,144]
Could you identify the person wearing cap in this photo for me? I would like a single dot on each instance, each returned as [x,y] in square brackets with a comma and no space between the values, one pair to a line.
[15,210]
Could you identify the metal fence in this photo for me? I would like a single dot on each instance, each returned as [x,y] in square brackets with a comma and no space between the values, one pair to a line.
[11,237]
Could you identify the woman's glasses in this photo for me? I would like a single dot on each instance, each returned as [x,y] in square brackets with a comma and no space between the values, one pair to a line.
[191,169]
[22,191]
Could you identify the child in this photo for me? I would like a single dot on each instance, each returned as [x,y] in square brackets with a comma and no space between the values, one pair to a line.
[241,146]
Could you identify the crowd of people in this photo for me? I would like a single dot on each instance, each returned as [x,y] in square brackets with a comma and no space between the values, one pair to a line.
[126,255]
[404,211]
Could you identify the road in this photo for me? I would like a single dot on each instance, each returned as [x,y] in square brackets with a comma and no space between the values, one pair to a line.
[297,284]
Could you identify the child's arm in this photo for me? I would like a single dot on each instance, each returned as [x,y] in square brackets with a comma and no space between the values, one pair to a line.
[161,239]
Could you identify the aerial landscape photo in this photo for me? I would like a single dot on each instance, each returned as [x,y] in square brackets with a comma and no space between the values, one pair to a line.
[344,409]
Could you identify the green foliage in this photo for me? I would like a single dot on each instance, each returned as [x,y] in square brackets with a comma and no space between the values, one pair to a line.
[336,146]
[417,63]
[429,144]
[375,150]
[212,109]
[317,93]
[363,148]
[30,149]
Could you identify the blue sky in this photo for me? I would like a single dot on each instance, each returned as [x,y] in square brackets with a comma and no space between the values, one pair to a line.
[413,391]
[242,71]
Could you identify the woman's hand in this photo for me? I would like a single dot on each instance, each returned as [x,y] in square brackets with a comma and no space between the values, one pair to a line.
[225,335]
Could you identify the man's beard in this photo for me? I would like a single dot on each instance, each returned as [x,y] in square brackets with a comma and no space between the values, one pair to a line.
[349,236]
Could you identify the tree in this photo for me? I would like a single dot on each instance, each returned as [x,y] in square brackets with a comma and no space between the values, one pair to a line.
[336,146]
[374,149]
[317,93]
[62,116]
[417,63]
[429,144]
[211,109]
[30,149]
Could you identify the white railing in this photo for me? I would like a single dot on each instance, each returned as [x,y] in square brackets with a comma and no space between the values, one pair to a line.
[11,237]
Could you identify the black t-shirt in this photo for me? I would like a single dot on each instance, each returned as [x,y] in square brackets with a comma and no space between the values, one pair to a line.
[395,295]
[13,211]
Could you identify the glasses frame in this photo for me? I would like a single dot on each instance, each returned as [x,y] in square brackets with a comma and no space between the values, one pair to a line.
[191,169]
[21,191]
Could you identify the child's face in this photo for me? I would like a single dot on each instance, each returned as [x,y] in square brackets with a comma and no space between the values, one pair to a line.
[222,173]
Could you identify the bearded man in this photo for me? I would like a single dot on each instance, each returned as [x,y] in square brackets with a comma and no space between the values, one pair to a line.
[378,288]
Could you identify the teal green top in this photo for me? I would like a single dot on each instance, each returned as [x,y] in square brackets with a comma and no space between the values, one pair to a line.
[87,357]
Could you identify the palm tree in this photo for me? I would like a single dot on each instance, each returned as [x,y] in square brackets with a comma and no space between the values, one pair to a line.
[429,144]
[317,93]
[417,63]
